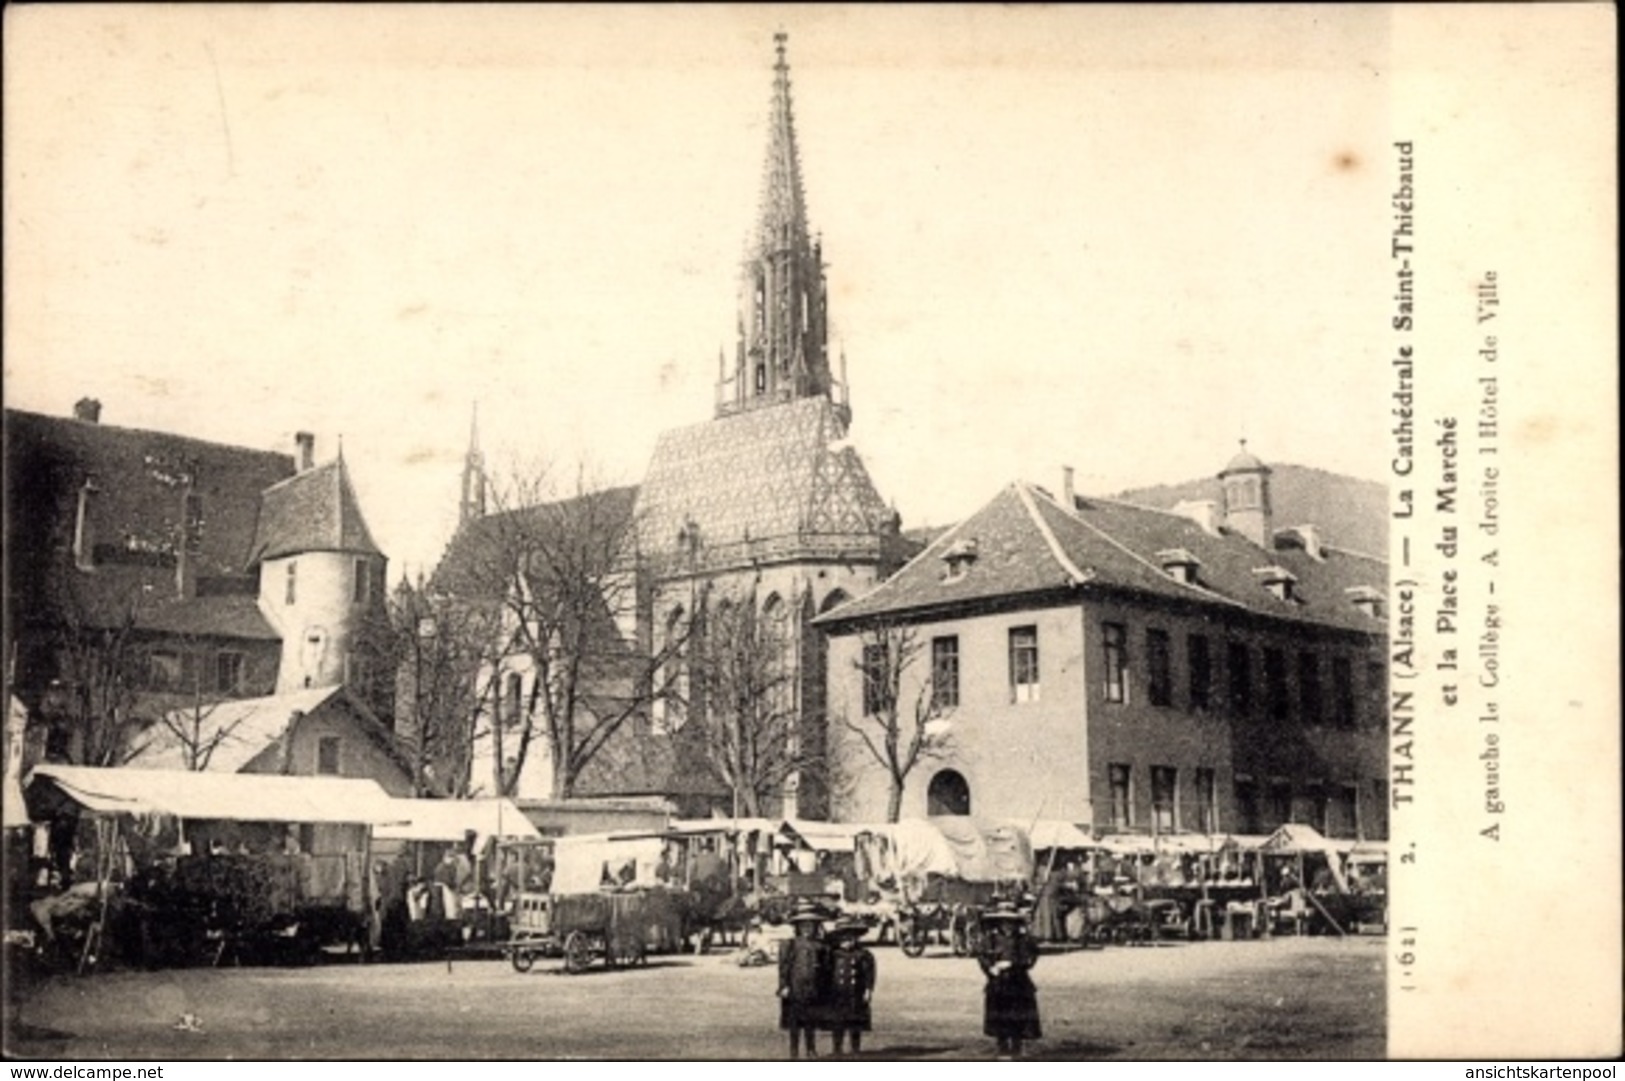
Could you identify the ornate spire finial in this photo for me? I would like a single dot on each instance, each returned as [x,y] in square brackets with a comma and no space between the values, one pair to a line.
[783,324]
[473,499]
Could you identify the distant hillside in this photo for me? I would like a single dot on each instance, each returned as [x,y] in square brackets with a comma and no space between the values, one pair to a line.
[1350,513]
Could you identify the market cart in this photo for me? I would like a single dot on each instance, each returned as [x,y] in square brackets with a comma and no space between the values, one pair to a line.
[939,873]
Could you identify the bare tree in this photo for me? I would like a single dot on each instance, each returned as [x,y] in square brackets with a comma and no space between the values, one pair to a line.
[563,572]
[443,659]
[748,716]
[901,725]
[92,709]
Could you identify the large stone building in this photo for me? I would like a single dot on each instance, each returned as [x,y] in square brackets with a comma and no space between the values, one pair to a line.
[147,571]
[1139,670]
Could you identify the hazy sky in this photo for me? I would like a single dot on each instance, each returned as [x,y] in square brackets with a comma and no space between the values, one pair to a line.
[1115,238]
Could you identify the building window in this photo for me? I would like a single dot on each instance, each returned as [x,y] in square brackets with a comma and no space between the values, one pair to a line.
[1115,639]
[1119,780]
[1024,664]
[874,680]
[1276,701]
[1238,665]
[1201,672]
[193,517]
[1164,799]
[1376,693]
[84,537]
[945,671]
[327,756]
[1207,800]
[513,698]
[362,586]
[1348,811]
[1247,808]
[1280,802]
[228,672]
[1309,696]
[358,671]
[1159,677]
[1343,707]
[1320,809]
[164,671]
[291,589]
[672,683]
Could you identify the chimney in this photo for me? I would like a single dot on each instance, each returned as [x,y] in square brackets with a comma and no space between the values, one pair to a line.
[1306,537]
[307,449]
[1204,512]
[1069,488]
[88,410]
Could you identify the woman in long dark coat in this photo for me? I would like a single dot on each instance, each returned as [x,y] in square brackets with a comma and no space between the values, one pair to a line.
[1010,1006]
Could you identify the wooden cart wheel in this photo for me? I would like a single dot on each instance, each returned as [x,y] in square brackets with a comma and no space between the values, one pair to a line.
[522,959]
[577,953]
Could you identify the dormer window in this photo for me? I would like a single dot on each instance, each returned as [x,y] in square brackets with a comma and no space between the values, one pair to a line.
[959,557]
[1281,582]
[1179,564]
[1368,600]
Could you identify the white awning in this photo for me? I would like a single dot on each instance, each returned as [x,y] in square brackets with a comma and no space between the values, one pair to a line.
[236,797]
[451,819]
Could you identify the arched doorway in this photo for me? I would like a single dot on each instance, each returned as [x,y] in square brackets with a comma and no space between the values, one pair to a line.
[948,794]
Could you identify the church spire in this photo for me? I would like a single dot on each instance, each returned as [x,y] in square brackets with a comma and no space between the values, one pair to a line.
[782,351]
[473,502]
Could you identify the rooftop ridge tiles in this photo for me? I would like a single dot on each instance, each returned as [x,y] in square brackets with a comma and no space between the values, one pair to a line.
[1072,570]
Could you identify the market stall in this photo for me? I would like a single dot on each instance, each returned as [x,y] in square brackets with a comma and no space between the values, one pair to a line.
[445,872]
[205,865]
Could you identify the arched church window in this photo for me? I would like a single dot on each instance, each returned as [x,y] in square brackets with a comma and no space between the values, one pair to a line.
[948,794]
[671,687]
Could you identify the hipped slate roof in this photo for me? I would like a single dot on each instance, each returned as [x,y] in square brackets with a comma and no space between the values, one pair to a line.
[137,513]
[230,616]
[473,562]
[1028,544]
[312,511]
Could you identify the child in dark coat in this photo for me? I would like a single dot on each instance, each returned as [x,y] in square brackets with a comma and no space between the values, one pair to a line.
[851,986]
[803,981]
[1010,1005]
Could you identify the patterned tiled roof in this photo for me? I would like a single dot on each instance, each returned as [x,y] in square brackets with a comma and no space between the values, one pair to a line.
[312,511]
[771,482]
[1027,544]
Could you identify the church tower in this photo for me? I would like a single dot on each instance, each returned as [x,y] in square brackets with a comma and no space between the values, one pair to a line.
[782,351]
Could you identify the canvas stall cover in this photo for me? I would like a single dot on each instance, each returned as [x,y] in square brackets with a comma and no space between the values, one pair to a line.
[231,797]
[958,847]
[582,862]
[451,819]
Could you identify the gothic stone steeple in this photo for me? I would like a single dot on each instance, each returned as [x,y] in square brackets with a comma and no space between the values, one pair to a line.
[783,345]
[473,501]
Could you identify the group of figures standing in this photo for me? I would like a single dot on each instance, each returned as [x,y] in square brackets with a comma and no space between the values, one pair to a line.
[827,981]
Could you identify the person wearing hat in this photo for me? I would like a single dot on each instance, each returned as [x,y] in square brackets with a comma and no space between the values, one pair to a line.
[851,985]
[803,979]
[1010,1003]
